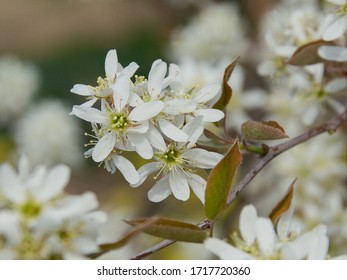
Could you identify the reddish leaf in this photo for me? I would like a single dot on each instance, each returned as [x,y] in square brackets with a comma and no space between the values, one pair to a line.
[171,229]
[308,54]
[219,182]
[226,89]
[262,131]
[284,204]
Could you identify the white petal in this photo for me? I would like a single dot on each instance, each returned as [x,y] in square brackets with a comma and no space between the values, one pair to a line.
[194,129]
[130,69]
[207,93]
[121,92]
[335,29]
[334,53]
[202,158]
[10,185]
[104,147]
[144,171]
[146,110]
[127,169]
[283,224]
[179,185]
[88,114]
[266,236]
[111,64]
[156,77]
[172,131]
[198,186]
[336,85]
[176,83]
[81,90]
[155,138]
[225,251]
[141,144]
[10,227]
[319,248]
[55,181]
[140,127]
[210,115]
[160,190]
[248,217]
[89,103]
[179,106]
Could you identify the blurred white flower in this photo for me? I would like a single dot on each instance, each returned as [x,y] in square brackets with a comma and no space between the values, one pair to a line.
[47,134]
[336,22]
[39,221]
[260,240]
[287,27]
[19,81]
[217,32]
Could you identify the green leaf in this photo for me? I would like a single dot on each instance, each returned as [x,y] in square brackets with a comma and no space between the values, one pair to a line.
[171,229]
[308,54]
[219,182]
[284,204]
[262,131]
[226,89]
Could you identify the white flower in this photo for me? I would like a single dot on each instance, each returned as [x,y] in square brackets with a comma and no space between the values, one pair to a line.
[176,163]
[201,97]
[259,240]
[19,82]
[337,22]
[217,32]
[105,85]
[151,102]
[47,134]
[39,221]
[117,126]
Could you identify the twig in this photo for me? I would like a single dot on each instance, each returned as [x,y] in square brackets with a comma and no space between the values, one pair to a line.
[328,126]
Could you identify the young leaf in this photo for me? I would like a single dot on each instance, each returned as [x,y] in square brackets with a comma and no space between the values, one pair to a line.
[262,131]
[284,204]
[226,89]
[219,182]
[171,229]
[308,54]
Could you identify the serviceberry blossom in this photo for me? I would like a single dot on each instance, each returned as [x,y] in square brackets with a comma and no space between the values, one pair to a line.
[38,220]
[104,89]
[261,240]
[157,117]
[176,163]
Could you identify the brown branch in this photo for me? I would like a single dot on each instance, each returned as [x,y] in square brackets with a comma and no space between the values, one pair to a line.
[328,126]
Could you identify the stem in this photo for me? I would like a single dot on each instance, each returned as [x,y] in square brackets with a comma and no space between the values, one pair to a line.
[272,152]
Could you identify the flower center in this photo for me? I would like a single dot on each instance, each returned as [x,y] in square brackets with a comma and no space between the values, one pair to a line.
[30,209]
[119,122]
[342,11]
[171,158]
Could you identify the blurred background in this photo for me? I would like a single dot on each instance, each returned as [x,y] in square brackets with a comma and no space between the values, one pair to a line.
[47,46]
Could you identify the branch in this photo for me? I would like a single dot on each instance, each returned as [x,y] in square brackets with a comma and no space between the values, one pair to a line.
[328,126]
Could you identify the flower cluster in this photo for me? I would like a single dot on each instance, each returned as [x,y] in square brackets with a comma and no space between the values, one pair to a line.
[39,221]
[261,240]
[158,118]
